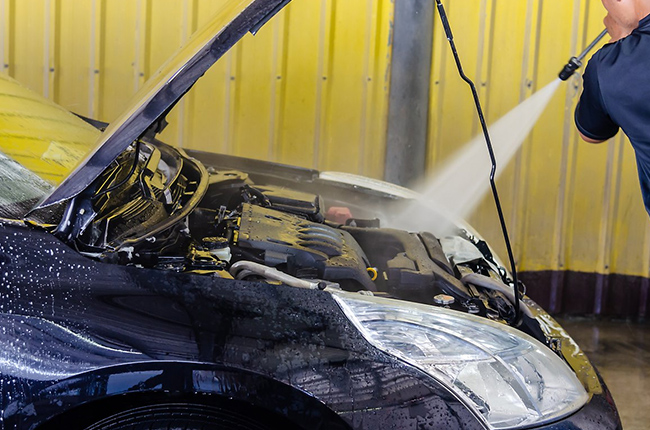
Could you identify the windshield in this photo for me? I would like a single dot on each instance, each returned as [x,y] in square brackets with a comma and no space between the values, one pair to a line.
[40,144]
[20,189]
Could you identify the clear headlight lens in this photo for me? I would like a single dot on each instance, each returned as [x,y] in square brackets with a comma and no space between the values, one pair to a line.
[508,378]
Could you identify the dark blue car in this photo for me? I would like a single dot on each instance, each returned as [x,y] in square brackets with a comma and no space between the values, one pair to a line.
[145,287]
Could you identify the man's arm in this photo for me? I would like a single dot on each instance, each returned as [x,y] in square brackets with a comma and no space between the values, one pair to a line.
[589,139]
[591,116]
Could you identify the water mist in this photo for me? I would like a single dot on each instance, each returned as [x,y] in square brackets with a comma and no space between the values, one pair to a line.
[460,184]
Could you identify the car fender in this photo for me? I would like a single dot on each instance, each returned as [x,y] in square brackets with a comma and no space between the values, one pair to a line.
[113,388]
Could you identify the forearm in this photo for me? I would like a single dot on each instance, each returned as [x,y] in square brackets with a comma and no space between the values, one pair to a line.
[589,139]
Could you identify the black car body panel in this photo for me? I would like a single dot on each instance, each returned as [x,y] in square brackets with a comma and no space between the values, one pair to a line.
[94,333]
[102,330]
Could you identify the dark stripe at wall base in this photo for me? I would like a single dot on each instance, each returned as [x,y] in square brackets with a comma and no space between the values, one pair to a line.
[579,293]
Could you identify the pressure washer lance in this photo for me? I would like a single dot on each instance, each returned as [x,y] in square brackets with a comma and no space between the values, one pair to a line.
[576,62]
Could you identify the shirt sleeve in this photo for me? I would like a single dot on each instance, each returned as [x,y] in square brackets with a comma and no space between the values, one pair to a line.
[591,115]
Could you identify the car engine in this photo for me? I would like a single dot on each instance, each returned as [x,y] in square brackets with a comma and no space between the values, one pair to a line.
[171,213]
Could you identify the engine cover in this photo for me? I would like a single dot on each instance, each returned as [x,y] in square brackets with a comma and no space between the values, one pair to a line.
[302,245]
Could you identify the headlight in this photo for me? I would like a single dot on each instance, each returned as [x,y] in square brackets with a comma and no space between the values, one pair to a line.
[506,377]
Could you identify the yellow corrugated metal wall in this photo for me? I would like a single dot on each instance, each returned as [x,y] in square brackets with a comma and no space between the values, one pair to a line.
[309,89]
[312,89]
[570,205]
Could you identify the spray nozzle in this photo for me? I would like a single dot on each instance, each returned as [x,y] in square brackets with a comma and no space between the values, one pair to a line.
[576,62]
[570,68]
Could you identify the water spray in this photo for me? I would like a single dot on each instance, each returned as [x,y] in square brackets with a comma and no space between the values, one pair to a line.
[576,62]
[486,134]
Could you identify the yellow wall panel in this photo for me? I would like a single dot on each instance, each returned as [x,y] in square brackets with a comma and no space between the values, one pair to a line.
[206,106]
[73,69]
[160,25]
[311,89]
[345,88]
[254,99]
[546,170]
[629,249]
[116,48]
[28,42]
[453,123]
[303,78]
[378,75]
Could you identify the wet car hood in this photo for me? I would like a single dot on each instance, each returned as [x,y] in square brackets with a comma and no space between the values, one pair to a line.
[146,113]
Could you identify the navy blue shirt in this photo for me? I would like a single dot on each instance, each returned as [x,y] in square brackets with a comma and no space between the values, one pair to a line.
[617,95]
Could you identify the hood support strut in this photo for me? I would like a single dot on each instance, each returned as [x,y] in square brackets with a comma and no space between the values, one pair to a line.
[513,269]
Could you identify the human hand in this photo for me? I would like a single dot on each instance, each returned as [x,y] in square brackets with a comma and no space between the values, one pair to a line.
[617,28]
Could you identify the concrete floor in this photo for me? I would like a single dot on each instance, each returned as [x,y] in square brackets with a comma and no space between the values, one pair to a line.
[621,351]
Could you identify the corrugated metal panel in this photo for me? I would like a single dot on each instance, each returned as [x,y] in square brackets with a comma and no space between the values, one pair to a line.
[312,89]
[570,205]
[299,92]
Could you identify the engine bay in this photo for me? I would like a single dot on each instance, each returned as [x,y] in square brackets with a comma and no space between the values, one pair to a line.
[221,222]
[233,218]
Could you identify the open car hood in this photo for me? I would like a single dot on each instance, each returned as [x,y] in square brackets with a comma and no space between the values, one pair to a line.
[166,87]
